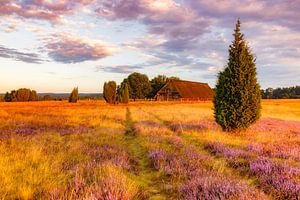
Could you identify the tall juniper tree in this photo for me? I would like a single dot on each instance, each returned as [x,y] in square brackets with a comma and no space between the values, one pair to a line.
[110,92]
[73,98]
[237,99]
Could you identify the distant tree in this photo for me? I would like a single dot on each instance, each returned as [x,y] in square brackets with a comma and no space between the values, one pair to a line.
[238,96]
[23,94]
[7,97]
[158,82]
[123,93]
[33,96]
[13,94]
[47,98]
[138,85]
[282,93]
[110,92]
[73,98]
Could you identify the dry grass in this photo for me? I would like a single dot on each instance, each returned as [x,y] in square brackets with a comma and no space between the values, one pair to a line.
[75,151]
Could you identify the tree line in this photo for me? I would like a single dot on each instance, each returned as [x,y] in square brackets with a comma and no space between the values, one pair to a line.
[281,93]
[22,94]
[135,86]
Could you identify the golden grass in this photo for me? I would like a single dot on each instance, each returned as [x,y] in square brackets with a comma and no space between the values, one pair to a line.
[43,143]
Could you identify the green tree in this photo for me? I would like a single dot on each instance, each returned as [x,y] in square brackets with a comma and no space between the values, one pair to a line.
[73,98]
[23,94]
[238,96]
[138,85]
[110,92]
[33,96]
[158,82]
[7,97]
[123,93]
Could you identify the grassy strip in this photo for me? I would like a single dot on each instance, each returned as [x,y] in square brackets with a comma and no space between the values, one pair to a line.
[146,176]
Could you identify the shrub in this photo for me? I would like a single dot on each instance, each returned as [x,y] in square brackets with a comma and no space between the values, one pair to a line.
[123,93]
[237,99]
[7,97]
[73,98]
[109,92]
[23,94]
[33,96]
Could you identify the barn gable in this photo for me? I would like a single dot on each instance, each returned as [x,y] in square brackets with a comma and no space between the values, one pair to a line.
[185,90]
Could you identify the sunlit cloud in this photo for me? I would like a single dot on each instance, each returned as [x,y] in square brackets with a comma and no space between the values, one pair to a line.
[20,56]
[66,48]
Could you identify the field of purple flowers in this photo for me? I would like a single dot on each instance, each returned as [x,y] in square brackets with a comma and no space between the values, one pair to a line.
[90,150]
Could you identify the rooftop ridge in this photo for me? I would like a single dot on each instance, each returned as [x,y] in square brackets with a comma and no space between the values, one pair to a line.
[174,80]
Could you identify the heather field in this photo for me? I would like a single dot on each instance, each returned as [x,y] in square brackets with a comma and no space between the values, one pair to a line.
[146,150]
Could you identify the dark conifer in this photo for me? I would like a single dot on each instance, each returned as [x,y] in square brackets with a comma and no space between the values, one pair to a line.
[237,99]
[110,92]
[73,98]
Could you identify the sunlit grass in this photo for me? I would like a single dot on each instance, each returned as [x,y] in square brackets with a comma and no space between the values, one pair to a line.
[72,151]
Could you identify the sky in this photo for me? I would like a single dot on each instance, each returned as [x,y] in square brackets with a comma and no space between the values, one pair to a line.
[55,45]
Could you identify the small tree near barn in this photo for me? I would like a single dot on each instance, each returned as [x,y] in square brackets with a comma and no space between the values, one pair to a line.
[237,98]
[73,98]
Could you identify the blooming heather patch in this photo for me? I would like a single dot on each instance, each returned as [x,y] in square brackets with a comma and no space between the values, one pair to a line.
[103,182]
[236,158]
[113,184]
[284,151]
[270,125]
[212,186]
[220,149]
[113,154]
[198,182]
[24,129]
[275,178]
[185,164]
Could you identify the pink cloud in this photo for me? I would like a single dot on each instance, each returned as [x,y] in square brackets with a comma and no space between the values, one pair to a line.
[53,11]
[66,48]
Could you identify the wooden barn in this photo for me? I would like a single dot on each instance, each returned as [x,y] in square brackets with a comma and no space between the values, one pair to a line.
[180,90]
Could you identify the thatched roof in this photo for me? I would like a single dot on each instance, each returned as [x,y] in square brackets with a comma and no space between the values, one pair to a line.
[189,89]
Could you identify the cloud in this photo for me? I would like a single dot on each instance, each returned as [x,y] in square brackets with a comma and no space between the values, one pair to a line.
[179,25]
[49,10]
[66,48]
[20,56]
[270,11]
[121,69]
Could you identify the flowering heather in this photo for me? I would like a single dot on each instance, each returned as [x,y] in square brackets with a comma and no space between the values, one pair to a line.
[32,129]
[112,154]
[284,151]
[271,125]
[275,179]
[236,158]
[220,149]
[212,186]
[113,185]
[185,164]
[103,182]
